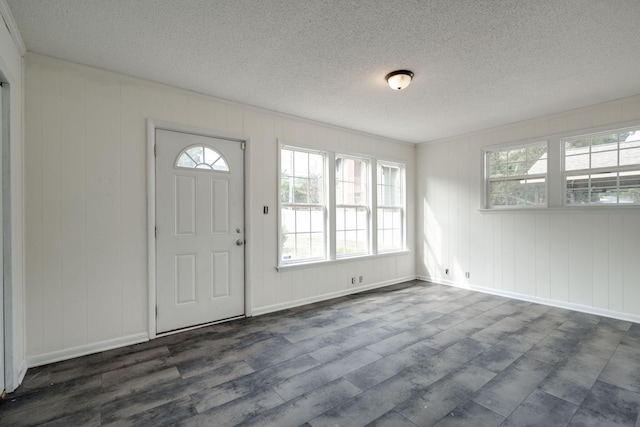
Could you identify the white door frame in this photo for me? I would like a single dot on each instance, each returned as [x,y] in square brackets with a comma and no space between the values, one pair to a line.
[152,125]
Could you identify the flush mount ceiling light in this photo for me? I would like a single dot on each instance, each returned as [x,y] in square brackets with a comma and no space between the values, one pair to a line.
[400,79]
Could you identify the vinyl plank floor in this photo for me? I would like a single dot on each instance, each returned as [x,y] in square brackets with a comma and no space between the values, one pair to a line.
[412,354]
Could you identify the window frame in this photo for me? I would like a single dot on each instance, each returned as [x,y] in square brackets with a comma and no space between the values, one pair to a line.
[589,171]
[556,195]
[324,206]
[487,180]
[402,206]
[366,206]
[330,207]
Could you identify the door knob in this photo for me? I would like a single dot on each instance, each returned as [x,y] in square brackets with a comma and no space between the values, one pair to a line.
[239,242]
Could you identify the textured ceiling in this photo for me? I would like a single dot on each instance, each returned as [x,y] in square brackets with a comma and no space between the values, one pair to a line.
[477,63]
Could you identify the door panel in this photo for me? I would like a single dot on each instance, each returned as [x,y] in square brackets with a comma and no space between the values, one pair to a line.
[200,219]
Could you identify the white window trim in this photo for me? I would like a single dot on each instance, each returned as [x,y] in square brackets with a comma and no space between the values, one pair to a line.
[486,180]
[368,206]
[330,211]
[555,174]
[325,206]
[591,171]
[403,205]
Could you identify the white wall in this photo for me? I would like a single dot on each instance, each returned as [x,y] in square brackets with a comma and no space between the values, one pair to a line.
[587,260]
[85,222]
[11,69]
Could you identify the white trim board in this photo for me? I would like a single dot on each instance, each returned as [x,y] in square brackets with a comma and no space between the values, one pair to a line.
[83,350]
[545,301]
[350,291]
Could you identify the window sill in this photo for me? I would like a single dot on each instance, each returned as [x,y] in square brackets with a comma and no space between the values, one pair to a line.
[302,265]
[565,209]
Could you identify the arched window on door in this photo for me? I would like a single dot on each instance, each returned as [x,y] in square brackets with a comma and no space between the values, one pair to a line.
[202,157]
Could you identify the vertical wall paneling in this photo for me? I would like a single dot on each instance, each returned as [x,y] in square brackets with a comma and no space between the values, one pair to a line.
[86,217]
[600,260]
[34,286]
[51,221]
[104,262]
[508,252]
[73,210]
[585,258]
[525,254]
[542,257]
[631,267]
[581,260]
[616,262]
[133,207]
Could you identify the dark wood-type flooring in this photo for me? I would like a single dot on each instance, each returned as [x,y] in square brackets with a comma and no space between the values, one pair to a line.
[415,354]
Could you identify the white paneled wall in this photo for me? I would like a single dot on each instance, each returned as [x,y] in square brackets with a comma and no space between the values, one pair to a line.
[12,72]
[587,260]
[85,231]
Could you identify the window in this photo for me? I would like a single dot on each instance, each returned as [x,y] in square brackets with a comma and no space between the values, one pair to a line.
[602,168]
[329,209]
[303,206]
[352,206]
[390,212]
[516,176]
[201,157]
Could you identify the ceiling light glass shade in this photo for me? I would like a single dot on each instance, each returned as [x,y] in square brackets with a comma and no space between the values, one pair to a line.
[400,79]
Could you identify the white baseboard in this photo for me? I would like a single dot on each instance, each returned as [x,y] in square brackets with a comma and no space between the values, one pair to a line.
[530,298]
[290,304]
[22,371]
[83,350]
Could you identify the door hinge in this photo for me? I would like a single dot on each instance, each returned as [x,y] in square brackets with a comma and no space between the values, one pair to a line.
[156,311]
[155,150]
[243,145]
[156,232]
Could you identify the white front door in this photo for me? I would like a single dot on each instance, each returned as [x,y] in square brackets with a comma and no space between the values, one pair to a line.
[200,229]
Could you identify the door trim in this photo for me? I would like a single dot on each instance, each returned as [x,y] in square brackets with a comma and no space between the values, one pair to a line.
[152,126]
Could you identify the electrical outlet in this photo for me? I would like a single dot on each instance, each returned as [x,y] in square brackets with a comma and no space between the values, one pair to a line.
[361,279]
[467,275]
[353,280]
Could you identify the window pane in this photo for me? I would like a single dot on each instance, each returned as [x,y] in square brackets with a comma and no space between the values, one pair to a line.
[185,161]
[518,192]
[303,221]
[317,220]
[350,219]
[300,164]
[631,154]
[317,245]
[340,242]
[286,163]
[220,165]
[285,190]
[196,153]
[316,190]
[604,158]
[302,183]
[300,190]
[363,244]
[316,165]
[614,152]
[630,187]
[498,164]
[577,161]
